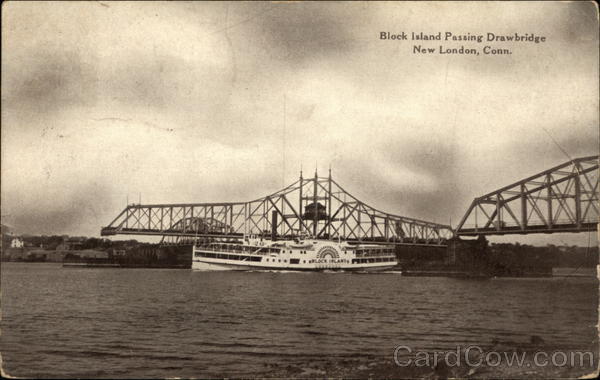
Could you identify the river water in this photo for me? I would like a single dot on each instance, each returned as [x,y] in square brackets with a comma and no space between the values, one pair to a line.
[77,322]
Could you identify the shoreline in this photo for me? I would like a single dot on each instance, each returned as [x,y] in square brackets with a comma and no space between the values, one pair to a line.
[559,272]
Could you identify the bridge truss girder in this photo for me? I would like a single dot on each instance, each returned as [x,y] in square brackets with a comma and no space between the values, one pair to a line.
[561,199]
[315,207]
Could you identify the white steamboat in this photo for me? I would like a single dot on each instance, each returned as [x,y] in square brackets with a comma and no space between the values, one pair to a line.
[255,253]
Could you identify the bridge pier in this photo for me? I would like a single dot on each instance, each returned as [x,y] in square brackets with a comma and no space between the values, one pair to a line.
[465,253]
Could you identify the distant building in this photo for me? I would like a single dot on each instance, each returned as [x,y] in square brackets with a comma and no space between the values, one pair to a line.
[92,253]
[117,252]
[16,243]
[71,244]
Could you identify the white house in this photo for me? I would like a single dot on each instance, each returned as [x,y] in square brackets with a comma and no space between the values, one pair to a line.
[16,243]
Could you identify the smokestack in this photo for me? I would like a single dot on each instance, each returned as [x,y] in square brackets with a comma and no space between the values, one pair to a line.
[274,225]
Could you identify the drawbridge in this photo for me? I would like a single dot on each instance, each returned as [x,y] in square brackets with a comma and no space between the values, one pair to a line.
[560,199]
[316,207]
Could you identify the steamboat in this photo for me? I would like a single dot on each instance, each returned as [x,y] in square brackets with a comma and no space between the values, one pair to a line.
[257,253]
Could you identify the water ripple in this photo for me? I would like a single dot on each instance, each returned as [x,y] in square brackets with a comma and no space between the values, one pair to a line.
[59,322]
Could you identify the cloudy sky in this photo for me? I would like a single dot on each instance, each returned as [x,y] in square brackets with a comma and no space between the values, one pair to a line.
[184,102]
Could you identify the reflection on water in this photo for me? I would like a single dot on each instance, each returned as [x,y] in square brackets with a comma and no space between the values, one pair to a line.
[67,322]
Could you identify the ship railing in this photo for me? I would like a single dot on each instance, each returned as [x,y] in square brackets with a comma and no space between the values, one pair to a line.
[374,252]
[239,249]
[374,256]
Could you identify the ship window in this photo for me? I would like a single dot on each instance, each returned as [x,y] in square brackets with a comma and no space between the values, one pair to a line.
[294,261]
[279,260]
[303,261]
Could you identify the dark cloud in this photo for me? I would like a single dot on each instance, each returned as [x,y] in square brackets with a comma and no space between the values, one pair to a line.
[436,199]
[301,32]
[82,207]
[413,201]
[49,81]
[434,158]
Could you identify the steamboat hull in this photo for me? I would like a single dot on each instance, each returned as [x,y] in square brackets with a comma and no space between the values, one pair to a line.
[311,256]
[204,266]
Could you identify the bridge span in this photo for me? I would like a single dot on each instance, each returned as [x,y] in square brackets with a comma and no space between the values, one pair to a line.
[317,207]
[560,199]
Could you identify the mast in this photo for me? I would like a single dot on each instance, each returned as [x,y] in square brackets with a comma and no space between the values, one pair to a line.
[329,205]
[300,201]
[315,215]
[283,150]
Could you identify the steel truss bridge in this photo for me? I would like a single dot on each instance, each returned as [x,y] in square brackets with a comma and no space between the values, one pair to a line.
[316,207]
[561,199]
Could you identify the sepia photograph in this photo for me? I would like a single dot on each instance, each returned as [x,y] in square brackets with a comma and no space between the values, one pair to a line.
[299,189]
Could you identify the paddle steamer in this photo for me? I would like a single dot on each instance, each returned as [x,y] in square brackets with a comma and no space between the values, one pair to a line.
[256,253]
